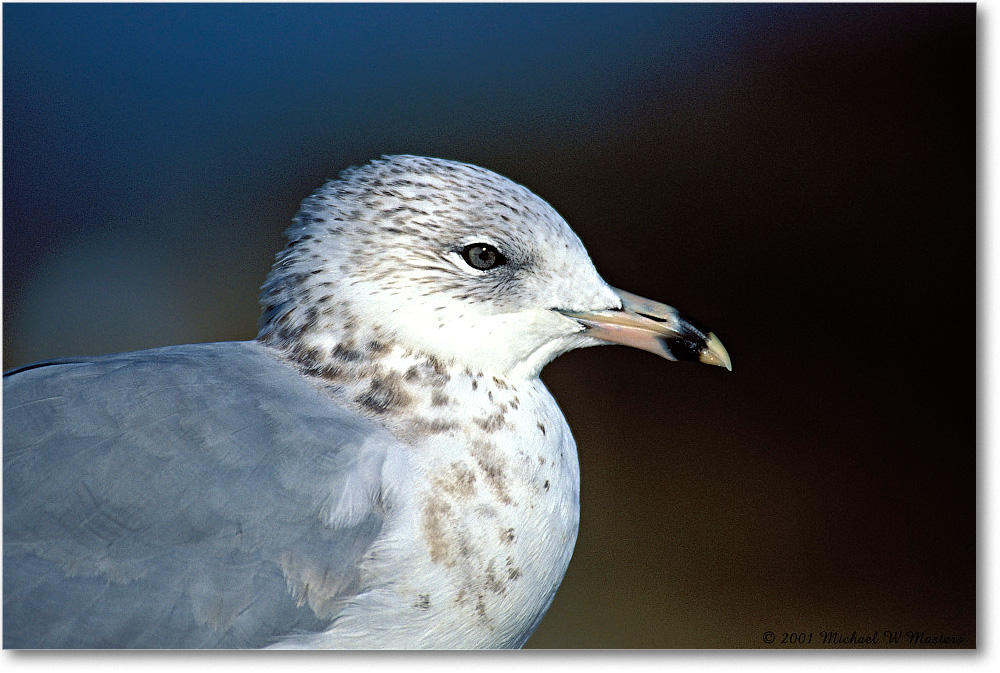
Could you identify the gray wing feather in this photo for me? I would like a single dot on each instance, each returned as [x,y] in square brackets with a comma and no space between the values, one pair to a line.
[188,497]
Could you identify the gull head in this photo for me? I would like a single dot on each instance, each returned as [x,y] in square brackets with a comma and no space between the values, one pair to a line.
[458,263]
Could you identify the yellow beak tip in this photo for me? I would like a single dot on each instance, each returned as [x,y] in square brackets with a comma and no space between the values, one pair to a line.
[715,353]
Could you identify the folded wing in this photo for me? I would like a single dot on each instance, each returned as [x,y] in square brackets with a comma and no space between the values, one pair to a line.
[185,497]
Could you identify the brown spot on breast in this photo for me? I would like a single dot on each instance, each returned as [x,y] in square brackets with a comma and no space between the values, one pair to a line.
[492,467]
[423,602]
[423,426]
[507,536]
[459,481]
[496,479]
[512,572]
[493,422]
[542,428]
[439,399]
[493,584]
[434,526]
[419,427]
[429,371]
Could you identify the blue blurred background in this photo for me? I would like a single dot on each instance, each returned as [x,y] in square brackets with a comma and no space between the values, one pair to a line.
[799,177]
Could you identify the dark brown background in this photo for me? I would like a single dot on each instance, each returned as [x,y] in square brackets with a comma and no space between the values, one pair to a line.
[800,178]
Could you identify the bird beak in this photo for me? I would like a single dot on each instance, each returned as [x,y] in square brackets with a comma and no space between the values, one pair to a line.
[654,327]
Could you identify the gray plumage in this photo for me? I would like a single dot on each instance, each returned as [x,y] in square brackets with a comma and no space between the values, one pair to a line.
[212,539]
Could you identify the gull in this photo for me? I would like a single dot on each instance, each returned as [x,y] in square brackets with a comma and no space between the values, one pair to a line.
[380,468]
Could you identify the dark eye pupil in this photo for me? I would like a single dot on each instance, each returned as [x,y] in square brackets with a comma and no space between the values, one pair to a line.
[483,256]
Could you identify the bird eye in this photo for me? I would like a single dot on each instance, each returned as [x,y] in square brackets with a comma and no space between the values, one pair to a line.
[483,256]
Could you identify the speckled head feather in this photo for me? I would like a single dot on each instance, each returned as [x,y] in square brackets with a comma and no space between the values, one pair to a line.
[386,241]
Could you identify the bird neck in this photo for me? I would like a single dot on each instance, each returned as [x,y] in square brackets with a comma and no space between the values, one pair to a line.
[412,393]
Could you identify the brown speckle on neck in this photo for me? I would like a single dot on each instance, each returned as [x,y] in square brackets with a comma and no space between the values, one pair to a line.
[385,393]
